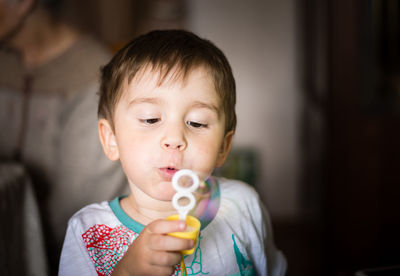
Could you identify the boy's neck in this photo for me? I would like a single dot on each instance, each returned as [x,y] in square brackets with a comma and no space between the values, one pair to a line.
[144,209]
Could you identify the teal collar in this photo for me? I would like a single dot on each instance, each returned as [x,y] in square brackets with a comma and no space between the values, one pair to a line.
[123,217]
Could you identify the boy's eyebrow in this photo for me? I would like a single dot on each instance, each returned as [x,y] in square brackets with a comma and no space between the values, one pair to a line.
[212,107]
[196,104]
[144,100]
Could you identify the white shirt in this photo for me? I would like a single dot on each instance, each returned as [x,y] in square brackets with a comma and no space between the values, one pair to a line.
[238,240]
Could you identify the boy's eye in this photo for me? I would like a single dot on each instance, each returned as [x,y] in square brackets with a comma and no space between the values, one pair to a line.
[150,121]
[195,124]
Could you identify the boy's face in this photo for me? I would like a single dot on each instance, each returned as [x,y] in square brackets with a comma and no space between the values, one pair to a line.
[161,129]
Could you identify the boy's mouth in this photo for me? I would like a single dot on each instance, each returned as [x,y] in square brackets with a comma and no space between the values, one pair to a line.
[168,172]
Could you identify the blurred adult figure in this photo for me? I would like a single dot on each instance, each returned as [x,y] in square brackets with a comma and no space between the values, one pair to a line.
[48,112]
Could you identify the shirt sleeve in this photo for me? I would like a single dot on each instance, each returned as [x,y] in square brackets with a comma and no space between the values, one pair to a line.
[250,222]
[266,257]
[276,261]
[75,259]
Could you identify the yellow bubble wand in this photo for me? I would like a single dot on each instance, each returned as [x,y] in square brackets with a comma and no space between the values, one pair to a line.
[193,224]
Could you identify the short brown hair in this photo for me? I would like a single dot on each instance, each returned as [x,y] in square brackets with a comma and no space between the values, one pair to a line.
[167,50]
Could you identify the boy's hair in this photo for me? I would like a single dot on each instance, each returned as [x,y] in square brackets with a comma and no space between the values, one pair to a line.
[175,52]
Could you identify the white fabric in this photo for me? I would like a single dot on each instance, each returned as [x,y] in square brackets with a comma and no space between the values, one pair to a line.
[241,219]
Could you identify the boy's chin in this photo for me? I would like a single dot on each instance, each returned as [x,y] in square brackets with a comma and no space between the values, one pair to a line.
[165,195]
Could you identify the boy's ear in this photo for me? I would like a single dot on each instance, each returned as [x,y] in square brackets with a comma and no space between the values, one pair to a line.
[225,148]
[108,140]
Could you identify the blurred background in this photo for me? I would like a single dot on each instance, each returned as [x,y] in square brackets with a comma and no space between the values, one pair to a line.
[318,85]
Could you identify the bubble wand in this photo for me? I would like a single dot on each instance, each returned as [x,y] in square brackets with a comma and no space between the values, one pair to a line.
[193,224]
[184,192]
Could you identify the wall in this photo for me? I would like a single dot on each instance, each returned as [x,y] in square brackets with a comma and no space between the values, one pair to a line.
[260,39]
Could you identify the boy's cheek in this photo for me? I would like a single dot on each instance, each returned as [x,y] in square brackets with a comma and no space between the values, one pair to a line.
[205,156]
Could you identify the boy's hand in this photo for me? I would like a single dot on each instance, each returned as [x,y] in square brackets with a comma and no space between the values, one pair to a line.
[153,252]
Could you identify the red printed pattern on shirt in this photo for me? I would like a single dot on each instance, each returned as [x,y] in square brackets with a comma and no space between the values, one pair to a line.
[107,246]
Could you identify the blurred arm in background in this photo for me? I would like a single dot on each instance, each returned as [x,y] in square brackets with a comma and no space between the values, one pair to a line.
[48,113]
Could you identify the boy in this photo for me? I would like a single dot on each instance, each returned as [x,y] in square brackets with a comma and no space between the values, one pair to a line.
[167,102]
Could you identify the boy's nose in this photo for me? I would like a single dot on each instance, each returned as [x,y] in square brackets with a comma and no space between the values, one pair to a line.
[178,146]
[174,140]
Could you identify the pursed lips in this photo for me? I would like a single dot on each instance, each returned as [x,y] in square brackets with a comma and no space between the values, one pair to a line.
[168,172]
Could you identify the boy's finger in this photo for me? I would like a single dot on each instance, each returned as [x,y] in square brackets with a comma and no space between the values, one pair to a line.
[168,243]
[162,226]
[162,258]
